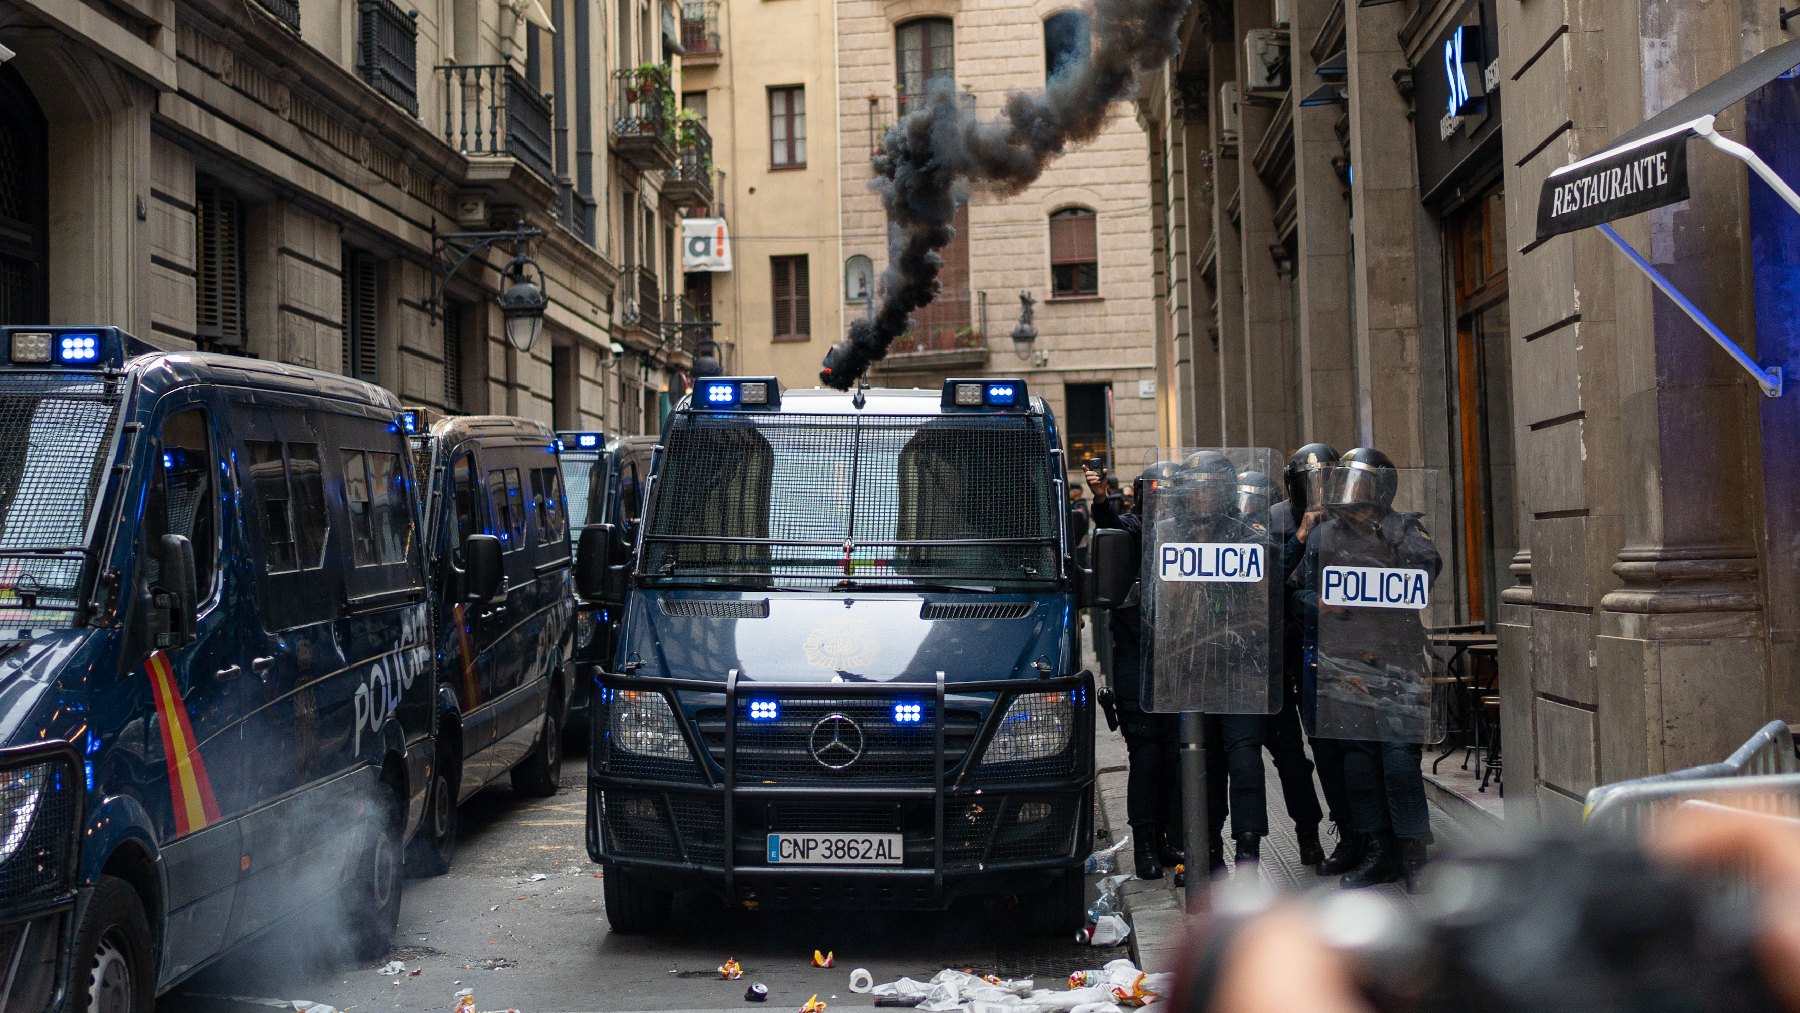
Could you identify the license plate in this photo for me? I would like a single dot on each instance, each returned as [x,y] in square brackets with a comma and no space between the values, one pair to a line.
[835,849]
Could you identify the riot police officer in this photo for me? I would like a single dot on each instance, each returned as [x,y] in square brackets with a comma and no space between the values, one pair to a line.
[1384,787]
[1153,782]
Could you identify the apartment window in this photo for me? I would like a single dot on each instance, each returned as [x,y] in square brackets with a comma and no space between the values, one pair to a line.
[695,102]
[362,308]
[1066,41]
[787,128]
[793,304]
[924,52]
[456,316]
[219,291]
[1087,419]
[1074,254]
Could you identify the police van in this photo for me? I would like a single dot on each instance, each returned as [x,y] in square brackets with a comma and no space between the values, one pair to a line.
[846,675]
[605,483]
[212,595]
[497,533]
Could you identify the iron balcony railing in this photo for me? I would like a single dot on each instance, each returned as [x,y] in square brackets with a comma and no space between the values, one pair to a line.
[645,296]
[696,324]
[700,28]
[387,51]
[491,109]
[948,323]
[576,210]
[644,124]
[689,183]
[287,10]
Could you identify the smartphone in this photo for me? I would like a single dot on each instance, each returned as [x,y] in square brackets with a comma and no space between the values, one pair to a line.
[1095,464]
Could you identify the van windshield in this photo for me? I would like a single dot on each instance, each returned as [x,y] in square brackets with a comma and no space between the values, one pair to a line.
[829,501]
[54,433]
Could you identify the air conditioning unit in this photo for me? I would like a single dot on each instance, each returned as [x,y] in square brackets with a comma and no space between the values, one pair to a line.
[1228,111]
[1265,60]
[1284,13]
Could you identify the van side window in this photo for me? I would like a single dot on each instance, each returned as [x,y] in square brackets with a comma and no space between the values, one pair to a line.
[546,488]
[290,497]
[497,501]
[508,500]
[467,484]
[631,494]
[515,507]
[311,521]
[184,498]
[375,491]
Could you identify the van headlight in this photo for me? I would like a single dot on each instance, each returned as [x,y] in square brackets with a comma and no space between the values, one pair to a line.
[21,795]
[1036,726]
[642,724]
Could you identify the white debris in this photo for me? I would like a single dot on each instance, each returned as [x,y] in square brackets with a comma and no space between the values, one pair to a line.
[1118,987]
[392,967]
[292,1005]
[1105,862]
[1107,930]
[537,877]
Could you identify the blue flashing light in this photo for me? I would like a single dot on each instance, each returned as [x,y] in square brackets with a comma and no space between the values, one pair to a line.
[89,767]
[718,394]
[722,393]
[909,713]
[1002,394]
[765,710]
[409,423]
[587,441]
[168,461]
[1007,394]
[80,347]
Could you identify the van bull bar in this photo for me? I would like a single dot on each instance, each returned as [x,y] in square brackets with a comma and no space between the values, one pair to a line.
[968,823]
[42,792]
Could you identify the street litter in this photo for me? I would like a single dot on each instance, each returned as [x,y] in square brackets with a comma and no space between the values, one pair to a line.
[392,967]
[1105,862]
[291,1005]
[1108,901]
[757,992]
[1109,930]
[813,1005]
[537,877]
[731,970]
[861,981]
[1118,986]
[826,959]
[465,1003]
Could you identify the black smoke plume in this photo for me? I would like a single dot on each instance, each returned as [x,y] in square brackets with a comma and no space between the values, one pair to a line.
[931,152]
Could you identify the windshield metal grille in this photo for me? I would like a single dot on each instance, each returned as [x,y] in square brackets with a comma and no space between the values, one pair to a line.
[54,429]
[867,500]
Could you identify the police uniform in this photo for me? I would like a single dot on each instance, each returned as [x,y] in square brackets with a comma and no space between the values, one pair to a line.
[1283,737]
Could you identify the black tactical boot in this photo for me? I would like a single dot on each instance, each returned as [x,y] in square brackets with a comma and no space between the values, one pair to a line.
[1215,855]
[1346,856]
[1412,861]
[1311,853]
[1380,864]
[1169,852]
[1249,848]
[1143,855]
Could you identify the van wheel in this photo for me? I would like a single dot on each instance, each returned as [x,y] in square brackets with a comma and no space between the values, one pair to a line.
[435,843]
[1058,909]
[372,908]
[633,908]
[115,964]
[539,775]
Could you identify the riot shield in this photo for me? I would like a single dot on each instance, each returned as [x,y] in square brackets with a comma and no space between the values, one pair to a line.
[1371,571]
[1211,586]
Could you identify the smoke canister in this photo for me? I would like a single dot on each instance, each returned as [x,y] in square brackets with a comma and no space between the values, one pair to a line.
[757,992]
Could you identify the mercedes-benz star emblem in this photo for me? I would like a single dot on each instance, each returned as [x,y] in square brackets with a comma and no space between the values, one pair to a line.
[836,742]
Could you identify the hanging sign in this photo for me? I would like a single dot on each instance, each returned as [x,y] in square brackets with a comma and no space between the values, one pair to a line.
[1615,184]
[705,245]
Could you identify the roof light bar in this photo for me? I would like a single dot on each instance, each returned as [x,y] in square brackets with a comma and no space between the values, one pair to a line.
[1004,394]
[583,440]
[73,347]
[728,392]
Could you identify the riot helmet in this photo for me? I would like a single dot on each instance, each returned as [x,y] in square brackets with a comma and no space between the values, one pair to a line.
[1362,477]
[1305,475]
[1159,473]
[1210,478]
[1255,494]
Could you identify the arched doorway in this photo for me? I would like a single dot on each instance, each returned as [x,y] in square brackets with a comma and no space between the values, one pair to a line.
[24,204]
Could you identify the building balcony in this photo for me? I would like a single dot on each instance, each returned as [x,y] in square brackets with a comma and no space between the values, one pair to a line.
[948,333]
[643,130]
[492,112]
[696,324]
[387,51]
[689,183]
[643,304]
[576,210]
[700,32]
[285,11]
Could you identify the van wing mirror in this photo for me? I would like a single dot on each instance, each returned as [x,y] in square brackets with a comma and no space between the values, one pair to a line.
[177,596]
[593,559]
[1113,567]
[483,569]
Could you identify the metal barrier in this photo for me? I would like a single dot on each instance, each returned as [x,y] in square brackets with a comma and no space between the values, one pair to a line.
[1761,776]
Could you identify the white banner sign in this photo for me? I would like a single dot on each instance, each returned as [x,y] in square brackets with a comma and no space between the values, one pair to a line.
[1212,562]
[1375,587]
[704,245]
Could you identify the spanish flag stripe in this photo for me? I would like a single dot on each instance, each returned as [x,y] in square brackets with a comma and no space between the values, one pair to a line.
[190,790]
[471,687]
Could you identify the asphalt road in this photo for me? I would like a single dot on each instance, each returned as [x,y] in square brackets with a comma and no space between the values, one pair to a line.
[542,945]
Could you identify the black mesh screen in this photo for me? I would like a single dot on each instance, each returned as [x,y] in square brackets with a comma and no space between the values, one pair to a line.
[38,806]
[54,429]
[803,500]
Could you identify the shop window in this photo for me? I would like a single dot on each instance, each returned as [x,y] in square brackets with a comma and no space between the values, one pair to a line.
[924,51]
[1066,41]
[790,293]
[1074,254]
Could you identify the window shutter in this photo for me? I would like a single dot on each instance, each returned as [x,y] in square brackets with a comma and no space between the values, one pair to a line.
[802,301]
[782,295]
[1072,238]
[453,327]
[219,292]
[361,316]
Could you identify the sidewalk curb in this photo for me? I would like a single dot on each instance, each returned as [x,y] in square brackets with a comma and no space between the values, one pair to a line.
[1480,823]
[1153,908]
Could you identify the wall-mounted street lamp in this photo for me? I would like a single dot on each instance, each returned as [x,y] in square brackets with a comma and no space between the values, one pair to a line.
[522,297]
[1024,333]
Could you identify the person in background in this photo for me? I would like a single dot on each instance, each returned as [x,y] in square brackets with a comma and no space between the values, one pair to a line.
[1079,520]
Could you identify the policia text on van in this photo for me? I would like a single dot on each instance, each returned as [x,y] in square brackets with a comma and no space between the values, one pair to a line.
[212,591]
[845,675]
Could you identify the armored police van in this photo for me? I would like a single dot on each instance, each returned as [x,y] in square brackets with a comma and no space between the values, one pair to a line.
[605,483]
[497,533]
[212,590]
[845,676]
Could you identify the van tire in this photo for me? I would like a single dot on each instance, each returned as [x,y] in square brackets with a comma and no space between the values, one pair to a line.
[435,844]
[372,903]
[631,907]
[115,962]
[539,774]
[1059,909]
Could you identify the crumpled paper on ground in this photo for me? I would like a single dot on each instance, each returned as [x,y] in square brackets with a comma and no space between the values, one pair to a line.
[959,991]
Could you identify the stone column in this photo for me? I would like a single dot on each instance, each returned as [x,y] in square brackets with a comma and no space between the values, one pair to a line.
[1203,422]
[1228,279]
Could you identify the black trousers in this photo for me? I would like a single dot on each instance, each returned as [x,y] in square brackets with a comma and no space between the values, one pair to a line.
[1153,772]
[1295,771]
[1328,754]
[1386,788]
[1234,773]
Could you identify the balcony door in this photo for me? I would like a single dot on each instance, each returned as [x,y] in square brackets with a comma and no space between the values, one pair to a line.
[24,204]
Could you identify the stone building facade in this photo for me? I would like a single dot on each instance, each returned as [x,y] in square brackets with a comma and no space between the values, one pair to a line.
[1345,202]
[269,178]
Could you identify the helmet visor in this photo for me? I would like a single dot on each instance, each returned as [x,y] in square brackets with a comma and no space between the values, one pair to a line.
[1252,499]
[1312,484]
[1353,484]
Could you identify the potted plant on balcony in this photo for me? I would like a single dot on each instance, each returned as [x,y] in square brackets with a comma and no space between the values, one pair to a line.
[968,337]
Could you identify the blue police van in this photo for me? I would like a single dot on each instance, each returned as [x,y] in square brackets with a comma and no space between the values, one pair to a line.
[213,610]
[605,482]
[502,602]
[846,675]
